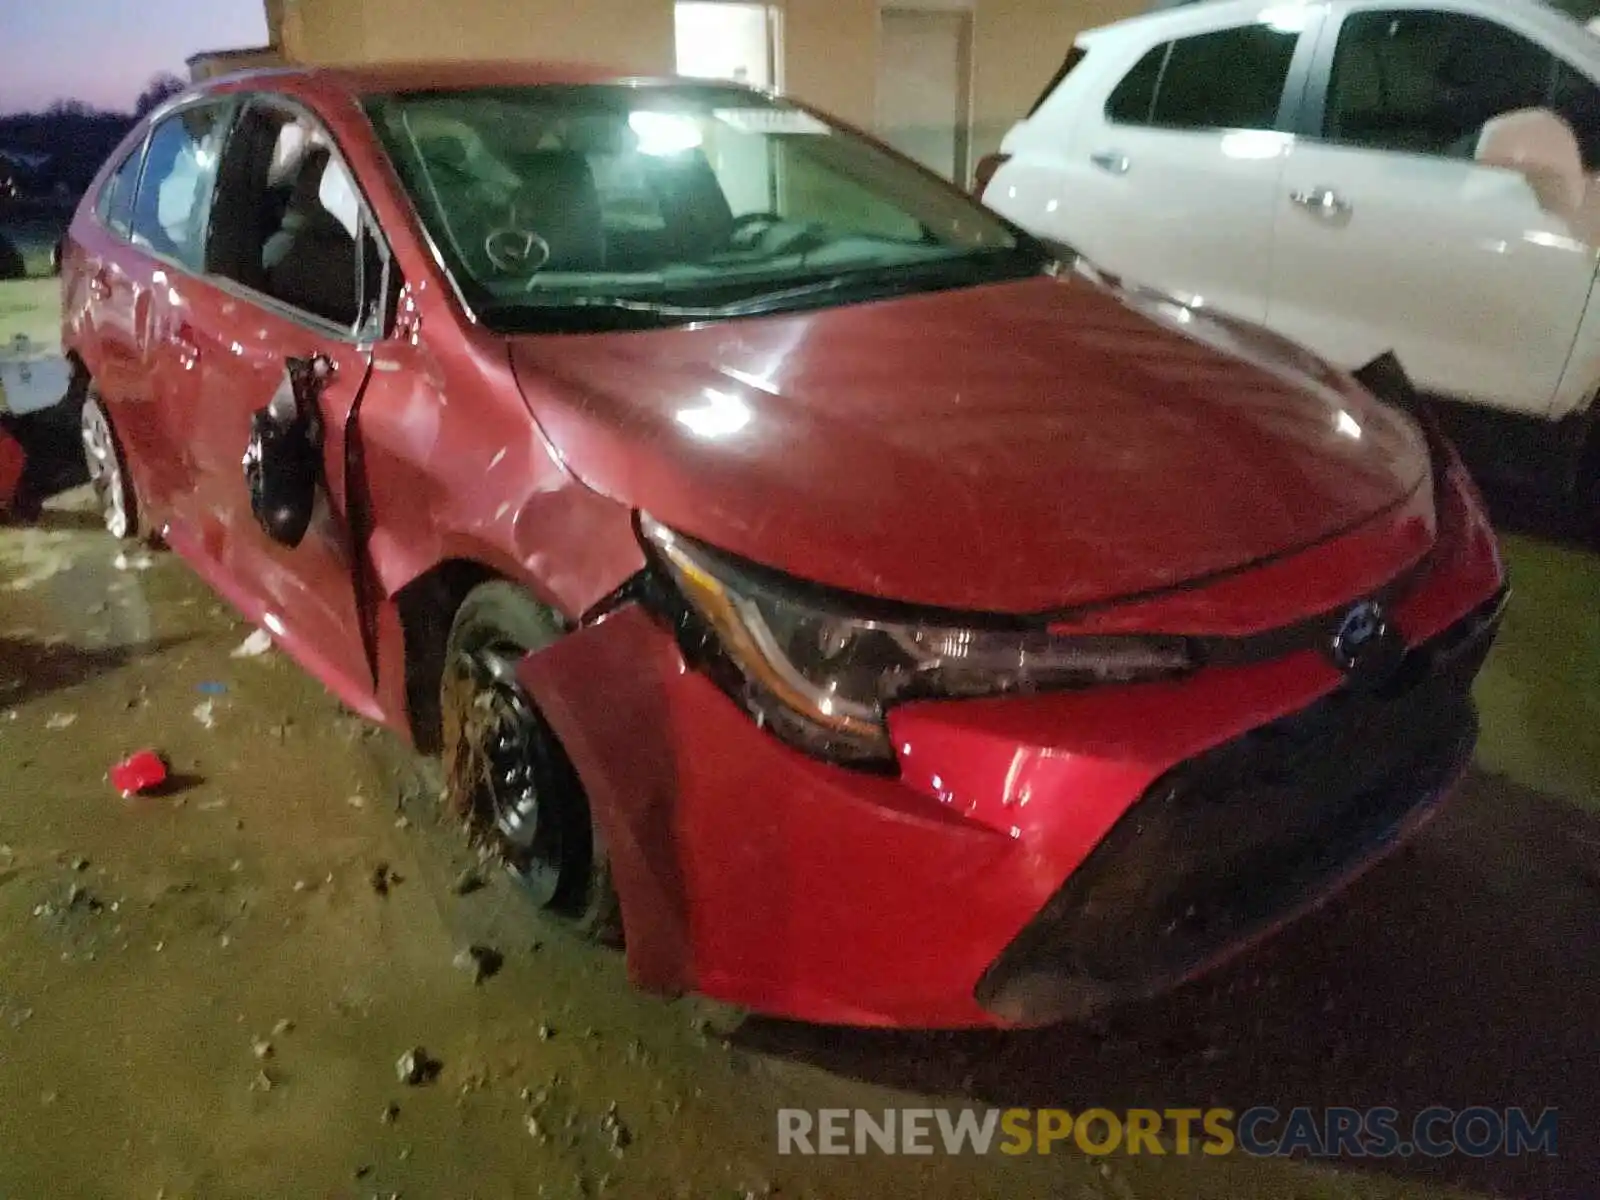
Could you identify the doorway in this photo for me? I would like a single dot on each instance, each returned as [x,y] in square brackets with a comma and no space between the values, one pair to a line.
[924,86]
[723,39]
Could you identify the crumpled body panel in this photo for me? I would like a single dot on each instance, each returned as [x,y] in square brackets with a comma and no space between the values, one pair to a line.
[893,449]
[757,875]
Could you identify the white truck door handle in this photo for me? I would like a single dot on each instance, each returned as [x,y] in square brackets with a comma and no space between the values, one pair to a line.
[1111,161]
[1323,202]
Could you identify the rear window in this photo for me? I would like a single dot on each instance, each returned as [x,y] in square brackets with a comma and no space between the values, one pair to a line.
[179,168]
[1133,99]
[1074,56]
[115,204]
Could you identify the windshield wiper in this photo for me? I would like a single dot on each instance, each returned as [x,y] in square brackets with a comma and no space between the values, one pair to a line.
[530,314]
[591,312]
[632,312]
[871,283]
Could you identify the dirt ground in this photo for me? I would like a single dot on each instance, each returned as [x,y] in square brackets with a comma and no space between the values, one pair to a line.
[204,994]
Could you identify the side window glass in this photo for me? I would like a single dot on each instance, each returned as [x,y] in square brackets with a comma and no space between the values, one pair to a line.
[1230,79]
[180,167]
[1427,82]
[1133,98]
[115,205]
[1577,99]
[287,219]
[1074,56]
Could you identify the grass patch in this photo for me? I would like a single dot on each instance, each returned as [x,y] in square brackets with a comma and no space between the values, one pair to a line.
[31,307]
[1540,691]
[34,234]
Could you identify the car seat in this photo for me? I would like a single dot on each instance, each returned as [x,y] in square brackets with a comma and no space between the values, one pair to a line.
[558,201]
[698,217]
[310,262]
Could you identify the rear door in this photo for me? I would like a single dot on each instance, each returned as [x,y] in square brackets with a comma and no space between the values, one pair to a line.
[1390,236]
[295,270]
[1168,171]
[115,289]
[167,229]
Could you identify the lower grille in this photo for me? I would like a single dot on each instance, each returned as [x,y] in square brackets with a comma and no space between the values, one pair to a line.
[1228,842]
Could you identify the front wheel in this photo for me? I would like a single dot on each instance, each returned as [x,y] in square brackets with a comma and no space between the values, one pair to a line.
[506,774]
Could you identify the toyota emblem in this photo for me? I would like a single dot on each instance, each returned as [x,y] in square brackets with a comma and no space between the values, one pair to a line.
[1365,647]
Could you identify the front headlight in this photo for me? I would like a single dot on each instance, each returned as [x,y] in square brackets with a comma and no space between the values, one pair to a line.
[823,677]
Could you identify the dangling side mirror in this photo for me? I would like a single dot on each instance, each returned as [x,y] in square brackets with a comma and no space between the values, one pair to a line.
[283,460]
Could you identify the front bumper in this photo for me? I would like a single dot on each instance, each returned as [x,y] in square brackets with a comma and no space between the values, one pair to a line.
[1036,855]
[1229,846]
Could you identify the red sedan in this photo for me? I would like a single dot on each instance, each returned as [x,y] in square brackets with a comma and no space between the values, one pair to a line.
[868,613]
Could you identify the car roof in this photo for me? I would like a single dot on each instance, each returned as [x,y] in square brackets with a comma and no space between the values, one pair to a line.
[380,78]
[1200,15]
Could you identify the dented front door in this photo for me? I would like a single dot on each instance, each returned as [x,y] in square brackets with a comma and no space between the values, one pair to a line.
[307,595]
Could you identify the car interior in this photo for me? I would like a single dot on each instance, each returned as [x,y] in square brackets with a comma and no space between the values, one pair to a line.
[1428,82]
[593,202]
[284,219]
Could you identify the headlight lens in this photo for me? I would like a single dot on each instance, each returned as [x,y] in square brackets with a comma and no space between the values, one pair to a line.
[823,677]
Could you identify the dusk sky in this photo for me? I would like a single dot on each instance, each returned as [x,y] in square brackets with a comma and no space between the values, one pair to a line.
[105,51]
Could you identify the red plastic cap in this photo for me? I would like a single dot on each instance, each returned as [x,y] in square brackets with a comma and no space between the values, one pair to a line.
[139,774]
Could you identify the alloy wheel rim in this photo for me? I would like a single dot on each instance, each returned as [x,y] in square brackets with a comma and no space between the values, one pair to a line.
[510,741]
[105,470]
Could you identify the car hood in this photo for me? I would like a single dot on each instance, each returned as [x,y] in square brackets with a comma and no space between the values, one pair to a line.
[1013,448]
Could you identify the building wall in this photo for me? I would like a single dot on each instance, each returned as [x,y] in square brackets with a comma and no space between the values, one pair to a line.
[1018,46]
[208,66]
[635,35]
[830,47]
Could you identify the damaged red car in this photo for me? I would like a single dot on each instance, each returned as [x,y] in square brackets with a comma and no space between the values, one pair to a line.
[866,613]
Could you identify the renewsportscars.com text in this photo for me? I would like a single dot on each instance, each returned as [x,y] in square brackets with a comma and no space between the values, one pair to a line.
[1437,1132]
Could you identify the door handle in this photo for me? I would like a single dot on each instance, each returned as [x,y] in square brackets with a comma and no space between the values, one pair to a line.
[1111,161]
[1323,202]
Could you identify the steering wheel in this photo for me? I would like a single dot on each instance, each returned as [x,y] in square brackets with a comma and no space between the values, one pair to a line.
[514,249]
[757,220]
[516,252]
[749,228]
[803,236]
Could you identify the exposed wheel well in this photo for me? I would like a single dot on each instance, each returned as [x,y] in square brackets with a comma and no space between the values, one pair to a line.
[427,605]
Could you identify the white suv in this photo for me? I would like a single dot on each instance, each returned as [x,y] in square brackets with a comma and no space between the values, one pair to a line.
[1337,172]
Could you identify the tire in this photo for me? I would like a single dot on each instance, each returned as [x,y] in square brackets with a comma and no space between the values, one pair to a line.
[108,470]
[506,774]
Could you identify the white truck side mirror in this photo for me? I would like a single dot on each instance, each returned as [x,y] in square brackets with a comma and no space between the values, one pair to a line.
[1542,147]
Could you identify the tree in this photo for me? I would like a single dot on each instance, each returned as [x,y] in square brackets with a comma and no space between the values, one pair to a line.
[160,88]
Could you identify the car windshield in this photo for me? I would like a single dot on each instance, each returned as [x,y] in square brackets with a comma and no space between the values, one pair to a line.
[674,202]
